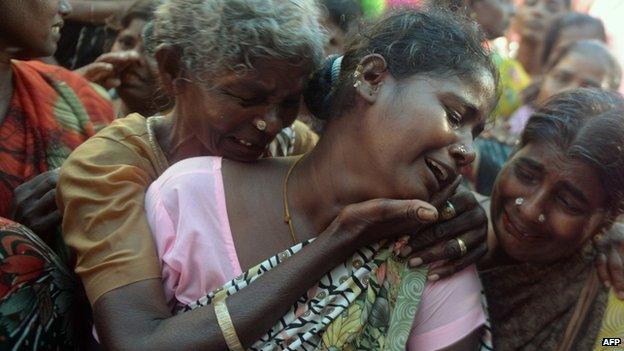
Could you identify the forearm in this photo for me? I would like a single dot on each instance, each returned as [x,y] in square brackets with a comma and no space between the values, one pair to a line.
[254,310]
[96,12]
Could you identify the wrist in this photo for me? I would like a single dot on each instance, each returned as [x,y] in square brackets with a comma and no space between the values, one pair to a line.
[338,243]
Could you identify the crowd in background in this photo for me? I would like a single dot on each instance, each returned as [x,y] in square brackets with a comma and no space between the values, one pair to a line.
[311,174]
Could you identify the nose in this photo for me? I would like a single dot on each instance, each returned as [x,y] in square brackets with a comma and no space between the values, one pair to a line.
[64,8]
[533,206]
[463,153]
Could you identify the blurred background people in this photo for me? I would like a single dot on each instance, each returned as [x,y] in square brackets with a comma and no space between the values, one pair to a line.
[586,63]
[533,17]
[126,70]
[568,28]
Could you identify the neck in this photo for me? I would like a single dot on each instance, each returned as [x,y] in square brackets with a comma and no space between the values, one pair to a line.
[177,142]
[328,179]
[530,55]
[6,83]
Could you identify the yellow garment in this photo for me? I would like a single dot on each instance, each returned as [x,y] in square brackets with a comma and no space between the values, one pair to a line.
[305,138]
[101,193]
[612,324]
[513,80]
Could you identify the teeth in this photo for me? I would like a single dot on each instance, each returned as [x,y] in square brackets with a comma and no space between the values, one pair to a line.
[56,29]
[244,142]
[441,171]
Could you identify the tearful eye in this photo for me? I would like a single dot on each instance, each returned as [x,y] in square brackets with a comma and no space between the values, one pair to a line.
[454,117]
[524,175]
[568,205]
[243,102]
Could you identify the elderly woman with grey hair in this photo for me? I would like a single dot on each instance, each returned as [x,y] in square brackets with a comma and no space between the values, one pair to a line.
[237,69]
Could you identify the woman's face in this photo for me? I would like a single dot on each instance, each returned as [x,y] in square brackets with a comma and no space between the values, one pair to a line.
[534,16]
[138,80]
[226,118]
[32,26]
[493,16]
[419,132]
[575,70]
[545,205]
[572,34]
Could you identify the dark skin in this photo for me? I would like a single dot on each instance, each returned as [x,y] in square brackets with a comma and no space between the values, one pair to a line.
[30,29]
[570,194]
[96,12]
[133,74]
[493,16]
[531,22]
[345,217]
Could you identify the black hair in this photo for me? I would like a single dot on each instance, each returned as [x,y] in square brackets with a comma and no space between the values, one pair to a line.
[572,19]
[588,47]
[588,125]
[412,42]
[343,12]
[142,9]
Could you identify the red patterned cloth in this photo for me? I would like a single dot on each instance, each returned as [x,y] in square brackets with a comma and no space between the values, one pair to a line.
[51,112]
[40,298]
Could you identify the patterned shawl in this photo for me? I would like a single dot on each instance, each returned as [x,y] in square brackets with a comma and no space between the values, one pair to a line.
[367,303]
[40,298]
[51,112]
[530,305]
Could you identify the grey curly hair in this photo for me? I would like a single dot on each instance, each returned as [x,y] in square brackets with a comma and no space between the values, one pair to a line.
[219,35]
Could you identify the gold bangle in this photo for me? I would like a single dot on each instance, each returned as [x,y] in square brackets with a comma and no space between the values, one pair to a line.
[227,327]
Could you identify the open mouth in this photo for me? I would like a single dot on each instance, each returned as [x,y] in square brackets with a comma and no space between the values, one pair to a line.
[57,27]
[519,232]
[439,171]
[245,142]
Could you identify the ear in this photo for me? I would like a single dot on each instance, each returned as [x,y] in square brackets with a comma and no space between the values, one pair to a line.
[171,69]
[369,76]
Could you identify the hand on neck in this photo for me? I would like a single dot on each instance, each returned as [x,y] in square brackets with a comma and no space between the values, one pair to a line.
[331,177]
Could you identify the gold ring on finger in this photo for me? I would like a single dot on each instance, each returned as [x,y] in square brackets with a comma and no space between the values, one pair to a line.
[462,247]
[448,211]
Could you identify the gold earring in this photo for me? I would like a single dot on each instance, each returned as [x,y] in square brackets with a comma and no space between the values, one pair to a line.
[261,125]
[357,74]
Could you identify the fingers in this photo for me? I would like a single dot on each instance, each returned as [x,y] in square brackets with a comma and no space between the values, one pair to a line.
[616,272]
[603,270]
[120,59]
[463,201]
[111,83]
[378,219]
[41,183]
[30,191]
[466,222]
[440,197]
[386,210]
[45,225]
[447,250]
[454,266]
[34,208]
[97,71]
